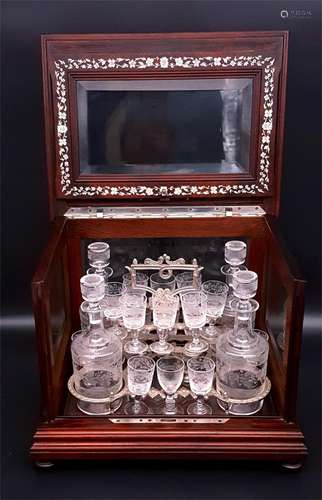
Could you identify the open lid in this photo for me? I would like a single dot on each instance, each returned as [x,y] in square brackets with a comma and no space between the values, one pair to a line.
[179,117]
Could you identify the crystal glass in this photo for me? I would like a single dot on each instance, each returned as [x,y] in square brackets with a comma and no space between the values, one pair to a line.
[141,279]
[185,279]
[241,355]
[98,254]
[106,272]
[99,259]
[112,306]
[140,370]
[235,255]
[92,288]
[194,308]
[245,284]
[170,371]
[133,314]
[96,354]
[216,293]
[201,375]
[235,252]
[83,316]
[165,307]
[156,282]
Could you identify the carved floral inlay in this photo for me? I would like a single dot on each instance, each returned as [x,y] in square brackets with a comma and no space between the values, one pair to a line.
[165,62]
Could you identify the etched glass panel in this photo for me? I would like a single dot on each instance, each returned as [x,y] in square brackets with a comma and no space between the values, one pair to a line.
[164,126]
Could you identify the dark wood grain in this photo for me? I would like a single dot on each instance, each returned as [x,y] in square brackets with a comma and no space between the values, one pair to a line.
[269,44]
[65,433]
[242,439]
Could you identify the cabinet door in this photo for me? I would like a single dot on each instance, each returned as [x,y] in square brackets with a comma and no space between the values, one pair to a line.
[51,301]
[284,320]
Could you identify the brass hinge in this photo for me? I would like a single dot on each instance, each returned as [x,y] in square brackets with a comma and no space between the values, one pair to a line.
[164,212]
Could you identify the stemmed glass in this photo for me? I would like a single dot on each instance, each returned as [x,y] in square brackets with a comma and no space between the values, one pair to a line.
[141,279]
[112,306]
[185,279]
[133,313]
[194,308]
[201,375]
[165,307]
[170,371]
[157,281]
[140,370]
[216,292]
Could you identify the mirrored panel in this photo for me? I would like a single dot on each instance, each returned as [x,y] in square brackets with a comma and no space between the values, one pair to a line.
[208,251]
[159,127]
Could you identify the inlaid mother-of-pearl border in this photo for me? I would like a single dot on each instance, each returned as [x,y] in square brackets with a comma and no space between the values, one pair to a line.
[165,62]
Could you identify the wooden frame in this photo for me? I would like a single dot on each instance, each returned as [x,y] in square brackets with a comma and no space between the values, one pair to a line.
[261,56]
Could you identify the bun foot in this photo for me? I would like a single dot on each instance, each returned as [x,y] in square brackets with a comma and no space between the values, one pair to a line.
[292,466]
[44,465]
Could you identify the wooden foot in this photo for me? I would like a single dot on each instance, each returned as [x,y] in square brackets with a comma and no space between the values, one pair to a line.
[292,466]
[44,465]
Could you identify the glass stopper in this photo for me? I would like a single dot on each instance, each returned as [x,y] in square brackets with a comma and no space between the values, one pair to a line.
[235,252]
[245,284]
[92,287]
[99,254]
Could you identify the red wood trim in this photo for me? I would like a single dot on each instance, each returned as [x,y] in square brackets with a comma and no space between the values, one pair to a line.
[175,228]
[166,36]
[279,143]
[241,438]
[274,42]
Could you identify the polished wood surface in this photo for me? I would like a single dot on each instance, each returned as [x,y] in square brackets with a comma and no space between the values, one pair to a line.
[239,438]
[65,433]
[267,44]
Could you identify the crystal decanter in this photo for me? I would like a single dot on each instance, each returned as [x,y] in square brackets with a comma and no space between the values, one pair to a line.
[96,354]
[99,259]
[235,256]
[241,354]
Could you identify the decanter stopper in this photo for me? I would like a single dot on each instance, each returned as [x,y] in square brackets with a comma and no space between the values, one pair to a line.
[235,253]
[99,255]
[235,256]
[92,288]
[244,284]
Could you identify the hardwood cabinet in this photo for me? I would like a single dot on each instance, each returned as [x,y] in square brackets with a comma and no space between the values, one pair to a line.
[169,141]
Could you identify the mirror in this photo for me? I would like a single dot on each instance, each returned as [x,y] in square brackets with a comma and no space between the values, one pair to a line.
[164,126]
[208,251]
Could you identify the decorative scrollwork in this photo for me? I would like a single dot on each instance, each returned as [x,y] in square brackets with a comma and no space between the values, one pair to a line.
[165,266]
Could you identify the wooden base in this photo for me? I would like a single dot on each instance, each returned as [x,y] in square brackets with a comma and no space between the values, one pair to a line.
[99,438]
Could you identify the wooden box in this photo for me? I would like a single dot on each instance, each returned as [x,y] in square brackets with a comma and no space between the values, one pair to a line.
[141,153]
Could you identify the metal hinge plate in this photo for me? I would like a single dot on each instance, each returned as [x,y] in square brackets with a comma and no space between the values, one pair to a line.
[168,420]
[163,212]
